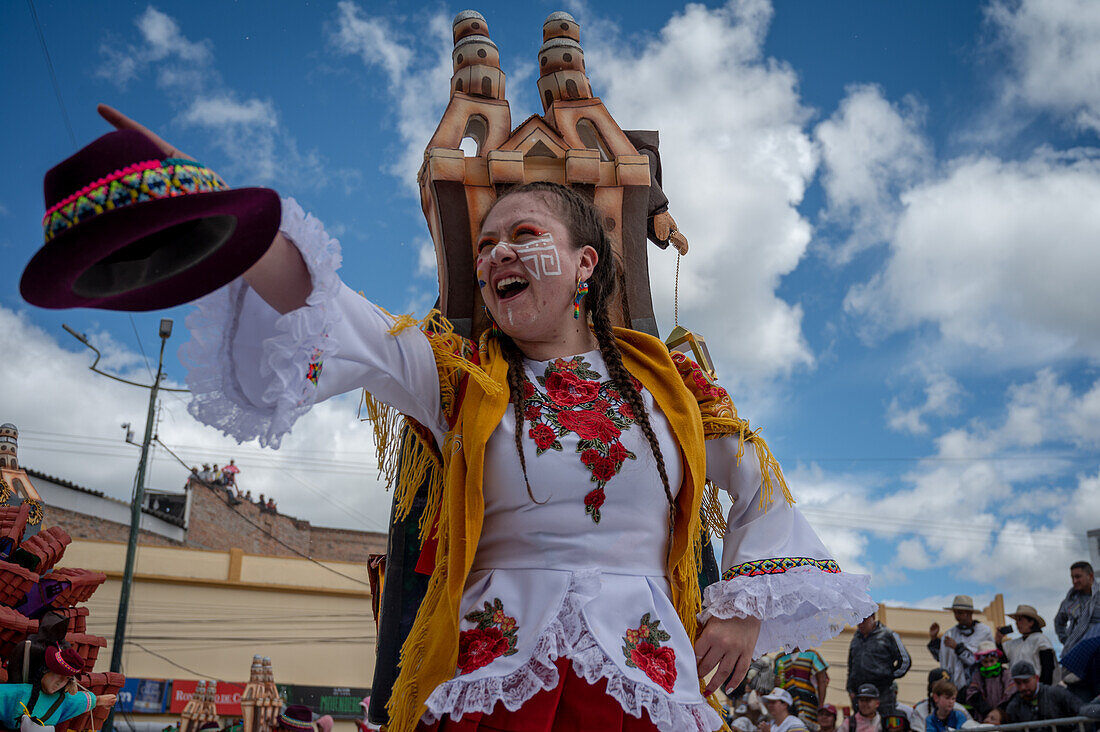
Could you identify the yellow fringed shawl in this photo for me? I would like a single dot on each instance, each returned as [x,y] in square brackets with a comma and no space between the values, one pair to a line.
[473,387]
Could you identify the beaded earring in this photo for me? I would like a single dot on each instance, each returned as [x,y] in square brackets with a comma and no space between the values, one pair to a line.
[582,290]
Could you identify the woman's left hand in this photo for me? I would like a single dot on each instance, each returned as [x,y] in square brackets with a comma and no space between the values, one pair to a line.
[728,645]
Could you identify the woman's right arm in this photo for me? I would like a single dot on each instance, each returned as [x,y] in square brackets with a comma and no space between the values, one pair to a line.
[289,334]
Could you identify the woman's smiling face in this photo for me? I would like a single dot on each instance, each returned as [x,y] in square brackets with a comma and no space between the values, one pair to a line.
[528,268]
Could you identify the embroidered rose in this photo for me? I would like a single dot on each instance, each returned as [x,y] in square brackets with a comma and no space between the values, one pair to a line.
[603,469]
[577,401]
[568,390]
[659,664]
[590,425]
[494,636]
[480,647]
[544,436]
[626,411]
[643,650]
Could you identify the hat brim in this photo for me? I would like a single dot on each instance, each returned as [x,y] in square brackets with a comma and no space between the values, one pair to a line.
[59,273]
[1037,618]
[968,609]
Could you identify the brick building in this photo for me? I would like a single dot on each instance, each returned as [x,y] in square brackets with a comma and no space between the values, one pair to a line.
[200,517]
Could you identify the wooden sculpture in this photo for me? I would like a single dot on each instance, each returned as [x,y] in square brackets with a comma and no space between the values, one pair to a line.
[200,708]
[574,142]
[38,598]
[260,702]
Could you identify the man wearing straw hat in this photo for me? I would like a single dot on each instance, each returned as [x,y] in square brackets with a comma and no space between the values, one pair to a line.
[955,651]
[1032,646]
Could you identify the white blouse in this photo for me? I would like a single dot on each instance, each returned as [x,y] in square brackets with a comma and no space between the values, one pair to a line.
[576,569]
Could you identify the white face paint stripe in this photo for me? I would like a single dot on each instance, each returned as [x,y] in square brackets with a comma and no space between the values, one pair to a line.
[539,256]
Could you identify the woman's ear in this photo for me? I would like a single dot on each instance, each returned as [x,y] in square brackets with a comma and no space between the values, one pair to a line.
[587,265]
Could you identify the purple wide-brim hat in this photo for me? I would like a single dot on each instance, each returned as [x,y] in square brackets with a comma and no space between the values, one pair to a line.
[128,229]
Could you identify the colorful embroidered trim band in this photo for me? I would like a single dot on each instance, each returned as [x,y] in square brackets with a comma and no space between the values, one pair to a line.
[294,723]
[60,661]
[778,566]
[135,183]
[315,366]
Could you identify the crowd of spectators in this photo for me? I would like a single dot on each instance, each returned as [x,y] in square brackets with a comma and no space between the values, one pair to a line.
[983,677]
[226,479]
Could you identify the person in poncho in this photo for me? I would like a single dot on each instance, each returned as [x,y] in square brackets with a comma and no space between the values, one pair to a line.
[50,695]
[568,462]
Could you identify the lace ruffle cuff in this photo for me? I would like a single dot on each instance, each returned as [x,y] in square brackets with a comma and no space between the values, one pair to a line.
[801,604]
[241,346]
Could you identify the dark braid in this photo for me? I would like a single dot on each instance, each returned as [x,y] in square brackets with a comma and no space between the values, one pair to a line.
[586,229]
[516,379]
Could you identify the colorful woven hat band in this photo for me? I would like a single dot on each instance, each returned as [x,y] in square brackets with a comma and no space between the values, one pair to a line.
[66,662]
[291,723]
[135,183]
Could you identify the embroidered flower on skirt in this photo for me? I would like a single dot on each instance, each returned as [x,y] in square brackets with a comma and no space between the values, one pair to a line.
[643,650]
[576,401]
[494,636]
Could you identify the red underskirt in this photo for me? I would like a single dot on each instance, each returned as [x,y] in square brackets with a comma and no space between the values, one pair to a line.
[573,706]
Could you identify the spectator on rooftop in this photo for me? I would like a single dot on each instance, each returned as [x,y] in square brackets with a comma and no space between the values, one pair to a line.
[1032,646]
[826,718]
[803,674]
[206,476]
[248,495]
[876,656]
[1078,618]
[991,685]
[918,716]
[1035,701]
[944,717]
[955,651]
[781,708]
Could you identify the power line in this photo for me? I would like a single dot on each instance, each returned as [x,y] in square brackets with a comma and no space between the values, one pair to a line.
[225,499]
[140,346]
[53,75]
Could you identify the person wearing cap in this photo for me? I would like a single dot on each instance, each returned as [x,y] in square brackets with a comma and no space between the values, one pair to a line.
[870,718]
[780,706]
[955,651]
[1032,646]
[991,685]
[52,695]
[1035,701]
[1078,619]
[876,656]
[826,718]
[944,716]
[920,711]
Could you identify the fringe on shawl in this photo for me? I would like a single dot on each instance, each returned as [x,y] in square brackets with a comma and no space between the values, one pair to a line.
[714,518]
[407,463]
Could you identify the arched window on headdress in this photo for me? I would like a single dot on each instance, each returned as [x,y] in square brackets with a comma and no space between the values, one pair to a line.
[477,131]
[592,138]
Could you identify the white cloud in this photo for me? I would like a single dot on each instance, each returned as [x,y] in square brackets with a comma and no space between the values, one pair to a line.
[736,164]
[418,72]
[255,149]
[329,448]
[941,397]
[426,262]
[1000,256]
[1054,55]
[870,151]
[222,110]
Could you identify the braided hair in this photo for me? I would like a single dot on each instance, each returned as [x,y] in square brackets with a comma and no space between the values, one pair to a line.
[582,219]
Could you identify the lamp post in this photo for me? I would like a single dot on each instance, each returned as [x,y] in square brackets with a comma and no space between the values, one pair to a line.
[138,495]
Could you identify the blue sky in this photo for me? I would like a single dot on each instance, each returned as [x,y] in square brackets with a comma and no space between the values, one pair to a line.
[891,207]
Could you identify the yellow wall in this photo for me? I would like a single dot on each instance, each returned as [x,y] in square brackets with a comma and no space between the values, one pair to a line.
[211,611]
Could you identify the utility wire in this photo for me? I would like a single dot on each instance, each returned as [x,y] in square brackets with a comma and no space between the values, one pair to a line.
[53,75]
[141,347]
[225,499]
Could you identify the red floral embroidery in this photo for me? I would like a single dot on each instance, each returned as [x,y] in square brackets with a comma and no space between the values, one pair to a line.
[576,401]
[494,636]
[643,650]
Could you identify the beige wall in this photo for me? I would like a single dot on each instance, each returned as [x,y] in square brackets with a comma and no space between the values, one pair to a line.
[211,611]
[912,625]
